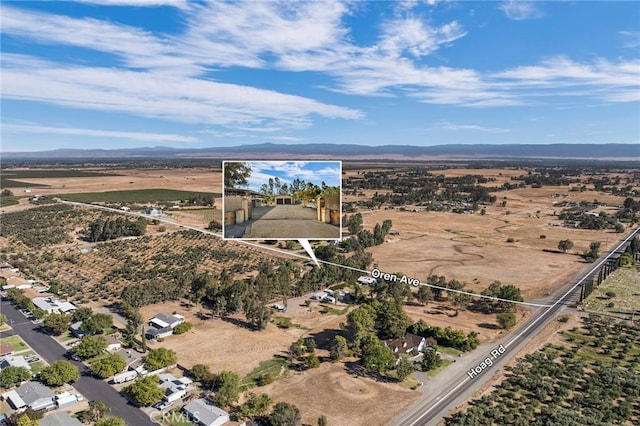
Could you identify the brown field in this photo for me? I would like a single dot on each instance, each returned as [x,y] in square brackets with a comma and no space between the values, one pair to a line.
[474,248]
[345,399]
[224,344]
[191,179]
[197,217]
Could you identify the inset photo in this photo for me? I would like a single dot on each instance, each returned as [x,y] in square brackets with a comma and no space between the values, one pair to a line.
[282,200]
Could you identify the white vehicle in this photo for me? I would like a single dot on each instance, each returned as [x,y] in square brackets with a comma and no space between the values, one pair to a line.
[163,405]
[367,280]
[125,377]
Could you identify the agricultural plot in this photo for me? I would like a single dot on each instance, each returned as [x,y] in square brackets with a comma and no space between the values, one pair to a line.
[164,261]
[138,196]
[590,379]
[13,178]
[43,226]
[618,295]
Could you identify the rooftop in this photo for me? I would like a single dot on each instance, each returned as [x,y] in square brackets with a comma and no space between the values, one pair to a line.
[59,419]
[204,411]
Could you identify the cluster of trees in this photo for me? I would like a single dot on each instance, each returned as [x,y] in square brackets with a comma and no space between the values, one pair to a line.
[23,302]
[160,358]
[303,352]
[367,325]
[42,226]
[501,291]
[108,365]
[363,237]
[59,373]
[10,376]
[97,414]
[202,200]
[445,336]
[104,230]
[418,186]
[593,253]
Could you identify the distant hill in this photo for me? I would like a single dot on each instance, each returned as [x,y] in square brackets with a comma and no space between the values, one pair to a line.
[338,151]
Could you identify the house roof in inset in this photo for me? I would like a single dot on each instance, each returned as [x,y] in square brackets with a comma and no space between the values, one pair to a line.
[204,411]
[59,419]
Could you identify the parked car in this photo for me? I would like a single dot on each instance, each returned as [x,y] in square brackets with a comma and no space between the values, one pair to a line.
[162,405]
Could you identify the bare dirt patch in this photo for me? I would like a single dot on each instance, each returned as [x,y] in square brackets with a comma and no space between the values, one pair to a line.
[345,399]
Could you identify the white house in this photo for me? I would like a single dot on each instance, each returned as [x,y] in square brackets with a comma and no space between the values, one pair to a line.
[175,388]
[205,413]
[14,361]
[113,344]
[31,394]
[410,344]
[53,305]
[162,325]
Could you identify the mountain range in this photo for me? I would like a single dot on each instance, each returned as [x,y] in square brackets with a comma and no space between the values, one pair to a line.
[351,151]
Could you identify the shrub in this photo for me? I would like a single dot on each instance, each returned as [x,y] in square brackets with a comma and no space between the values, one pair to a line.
[182,328]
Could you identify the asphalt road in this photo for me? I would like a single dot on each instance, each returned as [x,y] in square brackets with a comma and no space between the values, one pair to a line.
[435,407]
[92,388]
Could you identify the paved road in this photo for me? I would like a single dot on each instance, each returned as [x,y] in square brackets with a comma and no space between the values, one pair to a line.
[92,388]
[435,407]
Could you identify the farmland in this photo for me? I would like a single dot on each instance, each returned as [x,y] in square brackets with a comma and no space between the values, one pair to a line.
[15,178]
[590,378]
[101,271]
[618,295]
[138,196]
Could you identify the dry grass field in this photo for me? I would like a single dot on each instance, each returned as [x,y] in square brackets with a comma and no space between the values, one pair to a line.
[224,344]
[345,399]
[188,179]
[474,248]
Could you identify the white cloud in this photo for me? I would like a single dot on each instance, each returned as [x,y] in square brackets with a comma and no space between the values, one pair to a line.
[520,10]
[631,39]
[153,94]
[75,131]
[611,81]
[473,127]
[180,4]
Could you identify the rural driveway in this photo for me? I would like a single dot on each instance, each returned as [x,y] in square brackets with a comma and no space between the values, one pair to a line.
[283,222]
[87,385]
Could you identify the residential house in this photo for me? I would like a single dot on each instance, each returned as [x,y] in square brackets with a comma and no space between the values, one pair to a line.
[77,331]
[175,388]
[113,343]
[53,305]
[204,413]
[162,325]
[61,418]
[14,361]
[411,345]
[31,394]
[284,199]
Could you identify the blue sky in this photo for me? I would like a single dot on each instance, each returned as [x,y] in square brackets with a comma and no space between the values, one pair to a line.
[329,172]
[135,73]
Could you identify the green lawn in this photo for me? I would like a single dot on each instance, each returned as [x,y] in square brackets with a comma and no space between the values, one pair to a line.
[8,201]
[135,196]
[449,351]
[277,367]
[175,418]
[329,309]
[17,344]
[432,373]
[37,367]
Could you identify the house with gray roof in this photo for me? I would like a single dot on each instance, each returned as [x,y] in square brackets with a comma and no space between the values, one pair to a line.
[53,305]
[61,418]
[31,394]
[162,325]
[204,413]
[175,388]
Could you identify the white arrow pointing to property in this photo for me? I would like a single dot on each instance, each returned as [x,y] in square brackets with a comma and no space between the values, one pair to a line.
[305,243]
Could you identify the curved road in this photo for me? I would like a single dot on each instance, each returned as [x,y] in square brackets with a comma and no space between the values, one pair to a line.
[435,407]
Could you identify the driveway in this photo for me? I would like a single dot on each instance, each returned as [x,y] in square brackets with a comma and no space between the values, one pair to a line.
[283,222]
[50,350]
